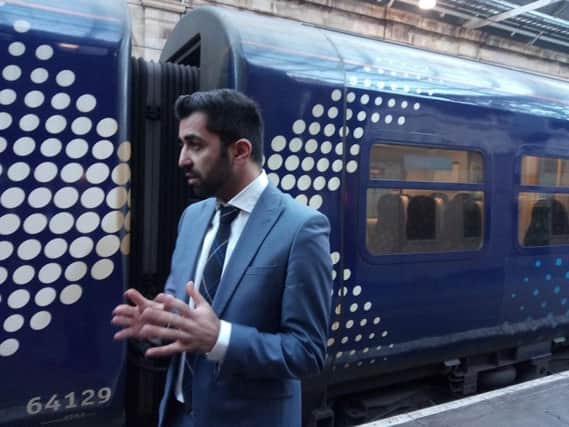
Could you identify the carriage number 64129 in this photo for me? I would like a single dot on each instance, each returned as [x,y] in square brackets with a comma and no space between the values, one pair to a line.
[71,400]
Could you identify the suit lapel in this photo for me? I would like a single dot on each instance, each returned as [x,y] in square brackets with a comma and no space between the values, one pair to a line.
[193,240]
[262,219]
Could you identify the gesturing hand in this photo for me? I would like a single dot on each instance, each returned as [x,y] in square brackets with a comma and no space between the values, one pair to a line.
[189,330]
[129,316]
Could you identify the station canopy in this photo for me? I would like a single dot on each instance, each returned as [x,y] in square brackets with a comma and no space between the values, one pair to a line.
[540,23]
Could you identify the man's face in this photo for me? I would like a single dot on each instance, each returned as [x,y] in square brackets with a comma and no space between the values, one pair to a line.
[205,162]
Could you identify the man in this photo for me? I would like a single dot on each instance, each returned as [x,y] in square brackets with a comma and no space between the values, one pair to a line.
[254,266]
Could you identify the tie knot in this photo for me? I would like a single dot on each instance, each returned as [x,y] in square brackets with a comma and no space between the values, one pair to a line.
[227,214]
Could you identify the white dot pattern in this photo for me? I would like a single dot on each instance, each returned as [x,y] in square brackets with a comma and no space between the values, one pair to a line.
[64,189]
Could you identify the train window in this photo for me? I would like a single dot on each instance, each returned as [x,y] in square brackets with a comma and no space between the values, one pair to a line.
[411,221]
[545,171]
[410,163]
[542,219]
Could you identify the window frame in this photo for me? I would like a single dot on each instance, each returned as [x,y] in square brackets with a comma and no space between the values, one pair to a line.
[543,152]
[389,184]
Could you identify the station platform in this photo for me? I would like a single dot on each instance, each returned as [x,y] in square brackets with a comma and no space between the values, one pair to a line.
[543,402]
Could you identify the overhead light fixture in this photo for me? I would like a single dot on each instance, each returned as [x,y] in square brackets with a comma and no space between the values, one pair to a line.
[427,4]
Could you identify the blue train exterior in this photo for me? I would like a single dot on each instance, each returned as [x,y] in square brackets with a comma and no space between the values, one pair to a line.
[446,183]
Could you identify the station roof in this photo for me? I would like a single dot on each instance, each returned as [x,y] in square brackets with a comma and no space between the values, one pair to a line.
[541,23]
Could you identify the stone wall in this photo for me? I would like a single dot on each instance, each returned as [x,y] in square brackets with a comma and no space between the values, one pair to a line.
[153,20]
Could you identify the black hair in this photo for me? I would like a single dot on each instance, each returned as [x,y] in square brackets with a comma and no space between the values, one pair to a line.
[230,114]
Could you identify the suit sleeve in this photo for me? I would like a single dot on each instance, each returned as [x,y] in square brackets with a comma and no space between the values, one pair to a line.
[170,287]
[299,348]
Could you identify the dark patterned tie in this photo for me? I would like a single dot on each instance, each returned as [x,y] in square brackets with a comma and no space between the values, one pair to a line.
[216,257]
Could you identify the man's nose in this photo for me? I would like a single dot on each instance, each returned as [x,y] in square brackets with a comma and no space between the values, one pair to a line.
[184,160]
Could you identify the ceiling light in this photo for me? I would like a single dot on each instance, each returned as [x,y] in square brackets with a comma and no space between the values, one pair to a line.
[427,4]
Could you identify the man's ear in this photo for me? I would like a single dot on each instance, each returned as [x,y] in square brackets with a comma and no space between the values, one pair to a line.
[242,149]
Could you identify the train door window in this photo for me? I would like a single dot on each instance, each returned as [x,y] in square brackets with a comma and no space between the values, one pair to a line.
[402,216]
[543,215]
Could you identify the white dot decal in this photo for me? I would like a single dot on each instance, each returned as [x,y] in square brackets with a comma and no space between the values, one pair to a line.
[71,172]
[7,96]
[107,127]
[40,320]
[3,275]
[44,52]
[11,73]
[55,124]
[332,112]
[361,116]
[274,178]
[349,114]
[318,110]
[34,99]
[287,182]
[61,223]
[117,197]
[314,128]
[18,171]
[375,117]
[275,162]
[291,163]
[337,165]
[315,202]
[88,222]
[22,26]
[113,221]
[49,273]
[92,197]
[416,106]
[29,122]
[298,127]
[388,119]
[401,121]
[9,223]
[39,197]
[65,197]
[319,183]
[39,75]
[6,249]
[336,95]
[357,291]
[108,246]
[323,165]
[358,133]
[404,105]
[60,101]
[302,199]
[29,249]
[355,149]
[352,166]
[364,99]
[13,323]
[103,149]
[18,299]
[124,151]
[329,129]
[24,146]
[76,271]
[97,173]
[81,125]
[51,147]
[12,198]
[55,248]
[45,297]
[351,97]
[65,78]
[81,247]
[5,120]
[102,269]
[9,347]
[35,223]
[86,103]
[304,182]
[45,172]
[334,184]
[311,146]
[307,164]
[23,274]
[326,147]
[70,294]
[3,143]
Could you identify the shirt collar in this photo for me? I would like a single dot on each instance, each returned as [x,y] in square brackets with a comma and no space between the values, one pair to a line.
[247,198]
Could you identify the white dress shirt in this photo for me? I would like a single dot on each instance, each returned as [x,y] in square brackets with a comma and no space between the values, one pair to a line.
[245,200]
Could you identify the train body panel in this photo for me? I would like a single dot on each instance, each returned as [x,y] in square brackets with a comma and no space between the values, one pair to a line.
[64,189]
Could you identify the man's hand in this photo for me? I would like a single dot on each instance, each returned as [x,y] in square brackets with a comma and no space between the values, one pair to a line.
[129,316]
[188,330]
